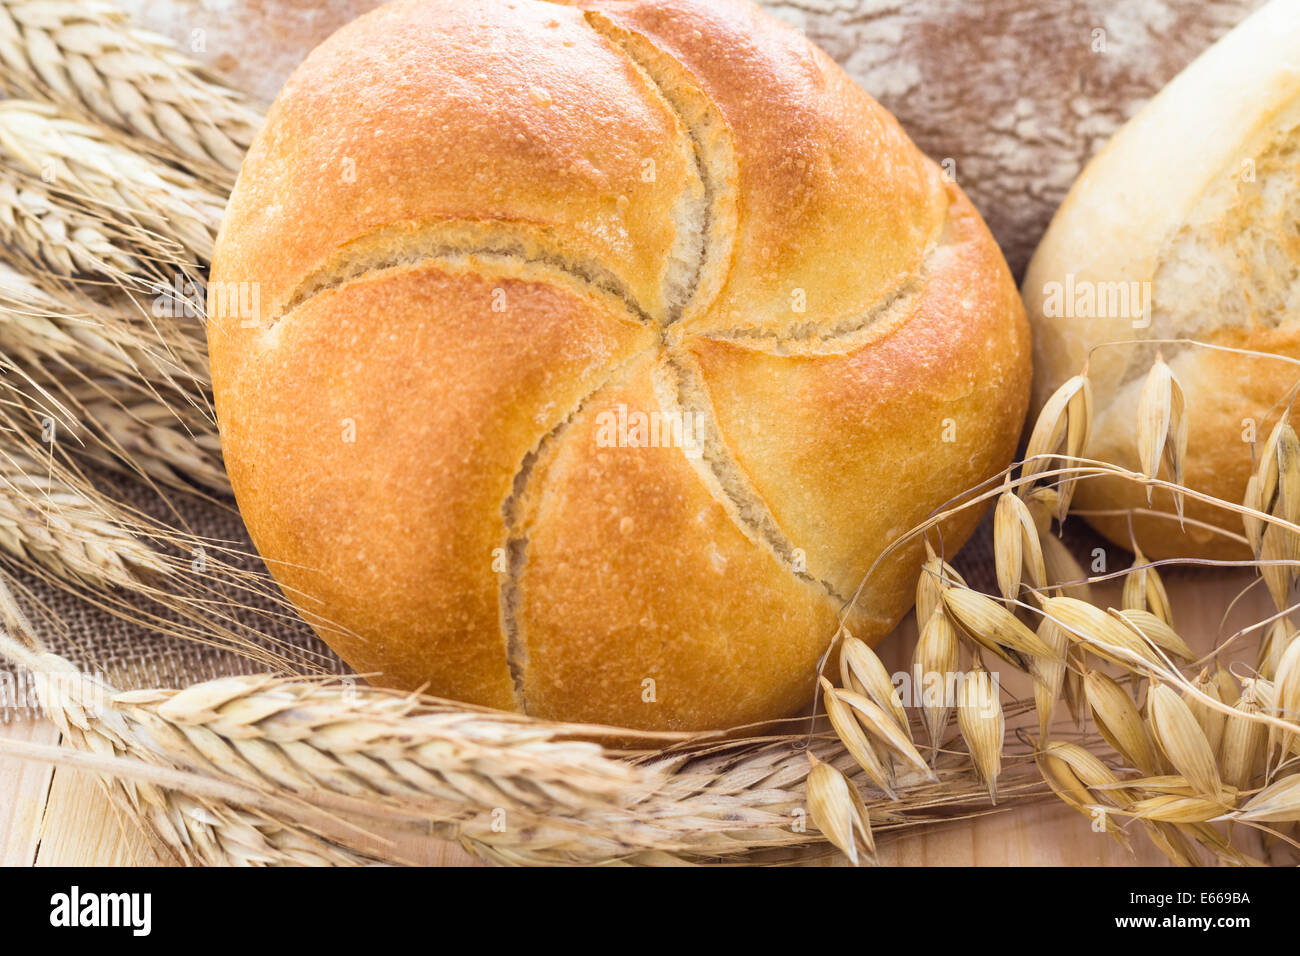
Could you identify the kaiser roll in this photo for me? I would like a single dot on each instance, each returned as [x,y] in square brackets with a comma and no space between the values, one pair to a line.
[581,359]
[1184,227]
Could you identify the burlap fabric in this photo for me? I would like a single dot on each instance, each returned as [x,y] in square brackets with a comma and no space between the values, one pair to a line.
[132,656]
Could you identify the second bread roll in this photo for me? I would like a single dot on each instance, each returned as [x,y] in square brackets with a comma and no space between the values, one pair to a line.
[1184,227]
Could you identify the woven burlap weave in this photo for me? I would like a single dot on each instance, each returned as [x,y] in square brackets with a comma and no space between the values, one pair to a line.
[132,656]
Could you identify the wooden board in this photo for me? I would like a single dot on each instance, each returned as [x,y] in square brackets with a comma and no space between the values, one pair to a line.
[71,823]
[24,795]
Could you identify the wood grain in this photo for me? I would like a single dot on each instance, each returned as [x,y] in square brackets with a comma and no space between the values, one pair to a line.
[24,789]
[83,828]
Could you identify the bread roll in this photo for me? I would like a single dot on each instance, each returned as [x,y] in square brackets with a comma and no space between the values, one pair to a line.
[581,359]
[1190,210]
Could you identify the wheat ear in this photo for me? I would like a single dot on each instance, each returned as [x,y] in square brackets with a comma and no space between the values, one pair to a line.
[46,519]
[138,190]
[57,237]
[41,322]
[514,789]
[185,826]
[120,424]
[88,56]
[260,769]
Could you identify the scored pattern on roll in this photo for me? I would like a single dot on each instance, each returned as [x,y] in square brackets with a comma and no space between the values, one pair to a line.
[645,330]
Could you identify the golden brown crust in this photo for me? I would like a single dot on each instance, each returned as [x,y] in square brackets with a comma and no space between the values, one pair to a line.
[372,463]
[482,536]
[938,397]
[431,110]
[643,603]
[822,171]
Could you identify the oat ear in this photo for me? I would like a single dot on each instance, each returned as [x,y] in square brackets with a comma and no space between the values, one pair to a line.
[935,661]
[1156,631]
[1162,427]
[836,808]
[1278,803]
[856,741]
[1283,694]
[865,674]
[1017,550]
[1101,633]
[881,726]
[1070,790]
[1119,722]
[1144,589]
[1051,674]
[995,628]
[983,725]
[1183,742]
[1062,428]
[1242,751]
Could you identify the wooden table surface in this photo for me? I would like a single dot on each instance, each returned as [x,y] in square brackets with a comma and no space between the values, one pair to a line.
[52,817]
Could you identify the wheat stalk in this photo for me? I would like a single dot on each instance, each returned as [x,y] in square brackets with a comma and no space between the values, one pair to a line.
[49,325]
[514,789]
[33,324]
[213,771]
[87,55]
[55,235]
[140,433]
[139,191]
[117,424]
[47,520]
[185,825]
